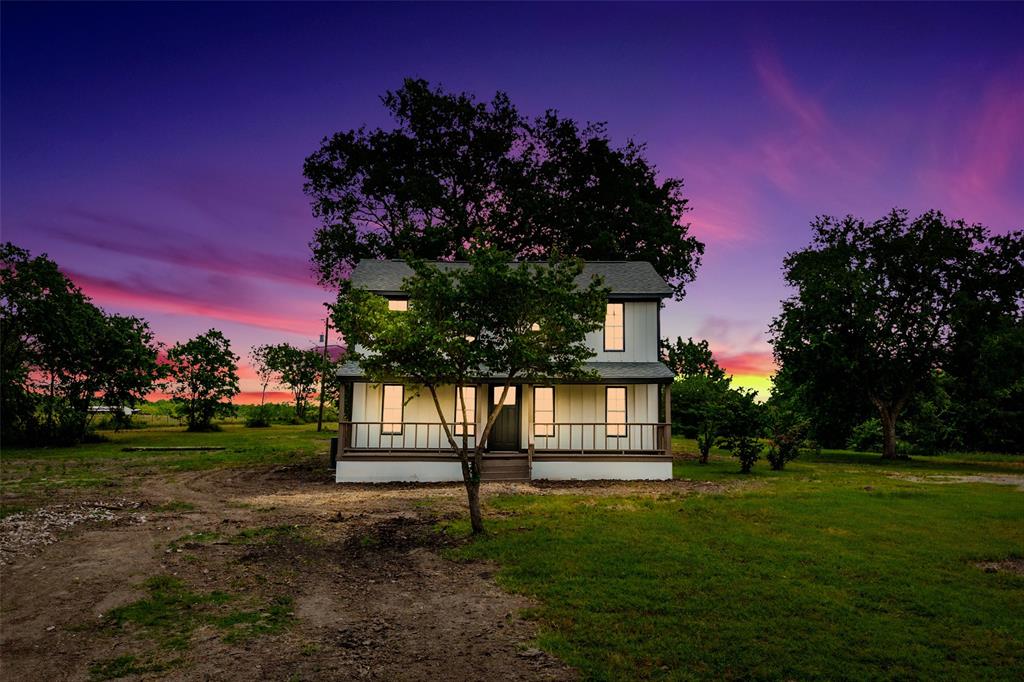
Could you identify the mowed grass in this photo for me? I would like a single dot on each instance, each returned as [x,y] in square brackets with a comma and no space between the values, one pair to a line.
[838,567]
[105,464]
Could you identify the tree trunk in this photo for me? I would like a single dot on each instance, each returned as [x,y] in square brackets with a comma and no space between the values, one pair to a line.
[888,418]
[476,519]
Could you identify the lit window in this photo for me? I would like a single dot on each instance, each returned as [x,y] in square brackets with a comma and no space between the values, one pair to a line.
[544,411]
[469,396]
[510,399]
[399,304]
[615,410]
[392,406]
[614,327]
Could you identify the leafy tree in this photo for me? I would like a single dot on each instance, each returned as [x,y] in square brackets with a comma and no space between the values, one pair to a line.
[743,427]
[462,322]
[700,409]
[262,361]
[875,304]
[203,378]
[787,431]
[455,174]
[691,358]
[127,367]
[60,352]
[299,370]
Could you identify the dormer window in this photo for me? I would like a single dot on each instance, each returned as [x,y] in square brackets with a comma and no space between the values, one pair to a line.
[399,304]
[615,327]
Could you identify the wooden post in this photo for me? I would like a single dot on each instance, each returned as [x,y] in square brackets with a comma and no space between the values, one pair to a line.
[667,433]
[342,422]
[530,409]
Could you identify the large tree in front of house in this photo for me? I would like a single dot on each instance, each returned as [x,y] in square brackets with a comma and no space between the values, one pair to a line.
[455,173]
[875,305]
[691,358]
[203,378]
[524,322]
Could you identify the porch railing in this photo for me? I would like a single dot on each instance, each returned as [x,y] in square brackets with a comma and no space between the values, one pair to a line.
[565,437]
[584,437]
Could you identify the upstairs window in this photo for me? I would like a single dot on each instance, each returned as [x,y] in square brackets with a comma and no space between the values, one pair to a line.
[615,410]
[544,411]
[615,327]
[469,395]
[399,304]
[392,407]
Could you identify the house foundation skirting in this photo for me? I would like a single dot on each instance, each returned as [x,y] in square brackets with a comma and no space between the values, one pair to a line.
[422,468]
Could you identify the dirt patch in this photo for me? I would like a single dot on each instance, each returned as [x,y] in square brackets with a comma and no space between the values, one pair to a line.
[1016,480]
[24,532]
[1015,566]
[314,580]
[311,580]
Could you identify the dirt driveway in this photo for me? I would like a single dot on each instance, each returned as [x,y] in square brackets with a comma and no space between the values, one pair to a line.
[273,574]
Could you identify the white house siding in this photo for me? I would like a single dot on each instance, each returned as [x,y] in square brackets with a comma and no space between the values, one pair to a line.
[585,403]
[366,407]
[641,340]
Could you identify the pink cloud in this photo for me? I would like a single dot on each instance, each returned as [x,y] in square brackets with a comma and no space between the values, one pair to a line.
[138,293]
[978,171]
[166,245]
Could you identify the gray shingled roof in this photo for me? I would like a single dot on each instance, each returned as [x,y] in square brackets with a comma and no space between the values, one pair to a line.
[626,279]
[651,372]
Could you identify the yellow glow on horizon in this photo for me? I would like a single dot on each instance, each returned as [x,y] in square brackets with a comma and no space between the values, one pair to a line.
[761,384]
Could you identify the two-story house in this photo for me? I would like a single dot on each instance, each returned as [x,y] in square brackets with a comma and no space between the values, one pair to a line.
[616,427]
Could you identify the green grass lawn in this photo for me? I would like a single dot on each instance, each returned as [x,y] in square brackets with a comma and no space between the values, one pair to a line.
[830,569]
[104,464]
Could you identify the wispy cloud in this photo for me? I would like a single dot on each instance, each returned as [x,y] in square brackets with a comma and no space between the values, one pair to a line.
[164,244]
[979,170]
[215,297]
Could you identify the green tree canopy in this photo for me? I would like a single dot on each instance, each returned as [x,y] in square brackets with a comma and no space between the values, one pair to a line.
[691,358]
[455,173]
[60,352]
[466,323]
[876,305]
[293,367]
[203,378]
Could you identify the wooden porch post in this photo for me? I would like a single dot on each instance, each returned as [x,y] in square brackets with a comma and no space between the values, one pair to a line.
[529,431]
[343,424]
[668,420]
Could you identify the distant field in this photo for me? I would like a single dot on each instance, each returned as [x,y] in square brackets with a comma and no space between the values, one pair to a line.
[26,470]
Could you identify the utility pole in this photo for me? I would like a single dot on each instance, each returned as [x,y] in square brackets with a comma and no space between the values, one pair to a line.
[323,375]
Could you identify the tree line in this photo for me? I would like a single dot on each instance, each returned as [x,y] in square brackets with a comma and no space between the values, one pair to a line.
[61,355]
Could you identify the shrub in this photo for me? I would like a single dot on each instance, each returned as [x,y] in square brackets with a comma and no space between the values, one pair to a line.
[745,448]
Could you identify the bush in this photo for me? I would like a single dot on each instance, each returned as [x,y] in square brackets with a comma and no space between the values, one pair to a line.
[745,448]
[258,418]
[787,432]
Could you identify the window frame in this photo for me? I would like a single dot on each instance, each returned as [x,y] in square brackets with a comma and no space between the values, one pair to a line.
[624,428]
[550,428]
[383,401]
[470,412]
[622,306]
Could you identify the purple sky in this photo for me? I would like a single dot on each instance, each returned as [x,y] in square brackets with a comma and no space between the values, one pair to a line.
[155,151]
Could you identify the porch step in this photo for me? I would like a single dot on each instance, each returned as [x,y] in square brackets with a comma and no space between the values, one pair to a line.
[505,469]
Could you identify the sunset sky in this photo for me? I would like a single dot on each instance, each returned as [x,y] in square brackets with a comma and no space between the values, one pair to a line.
[155,151]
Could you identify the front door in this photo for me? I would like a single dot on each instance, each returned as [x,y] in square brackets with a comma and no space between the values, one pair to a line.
[505,432]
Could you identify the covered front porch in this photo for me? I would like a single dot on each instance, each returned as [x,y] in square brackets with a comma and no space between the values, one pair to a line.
[558,431]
